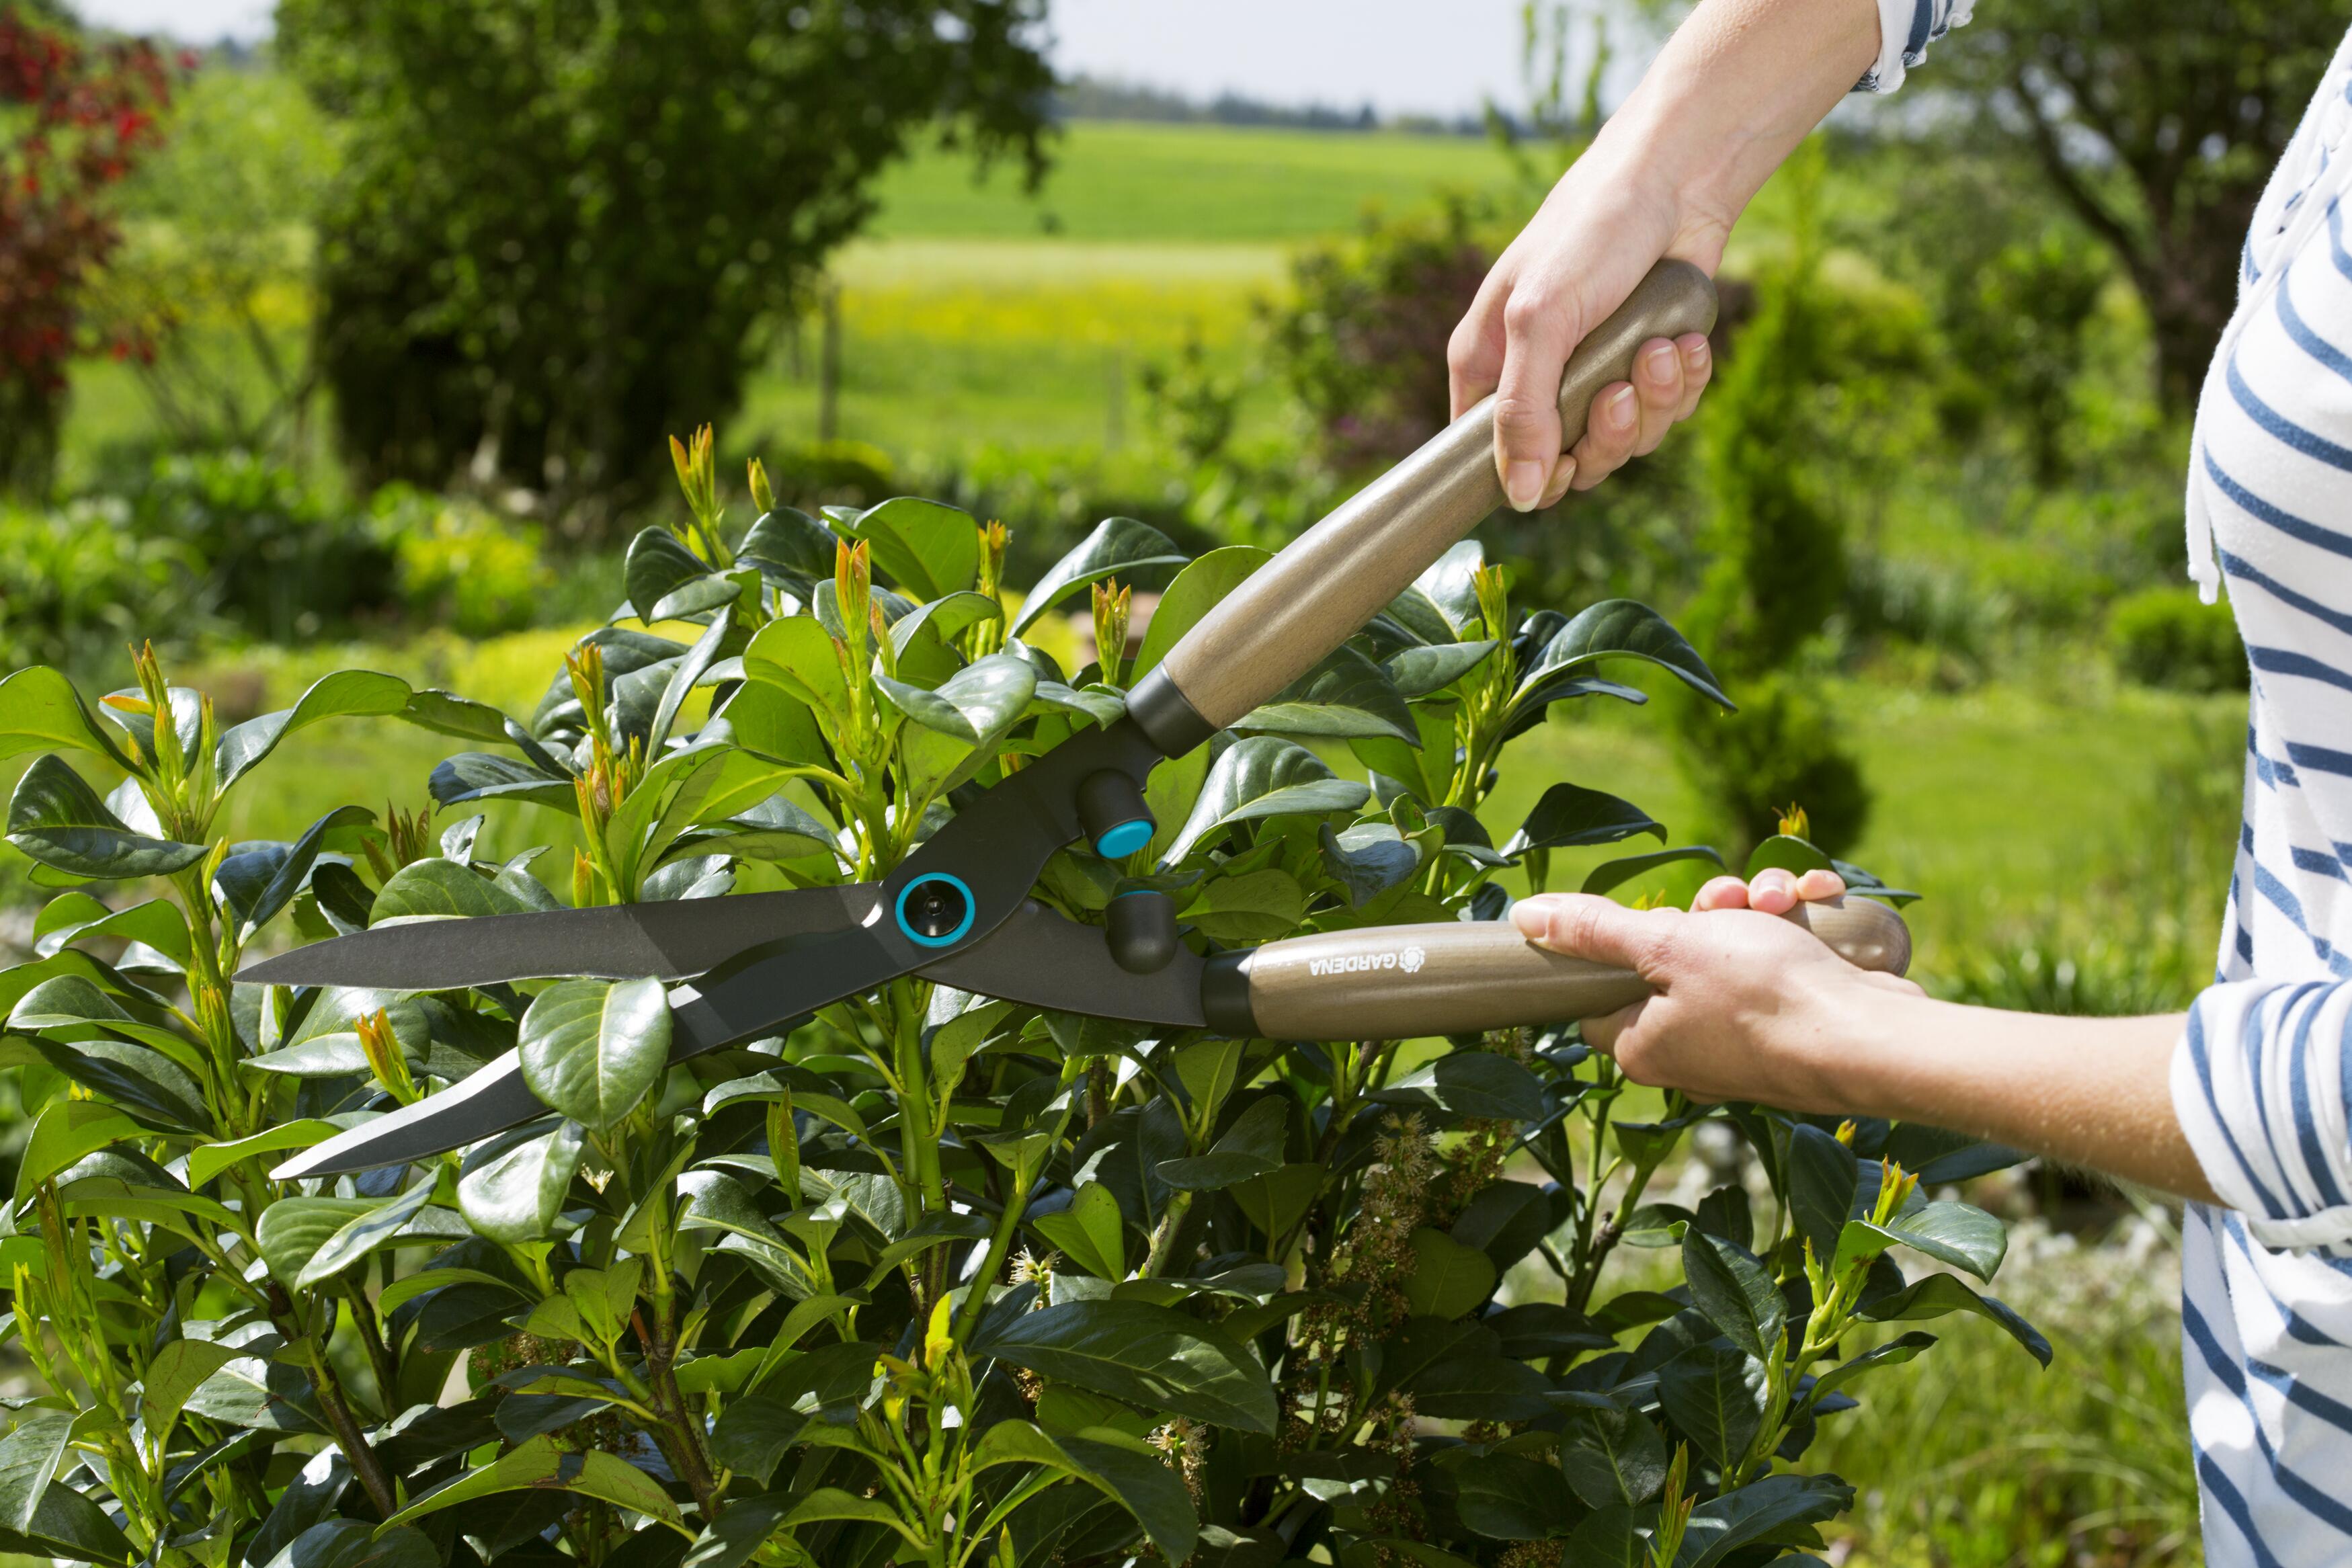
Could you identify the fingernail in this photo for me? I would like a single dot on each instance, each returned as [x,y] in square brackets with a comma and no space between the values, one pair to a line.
[1621,407]
[1698,358]
[1563,474]
[1523,482]
[1662,361]
[1528,917]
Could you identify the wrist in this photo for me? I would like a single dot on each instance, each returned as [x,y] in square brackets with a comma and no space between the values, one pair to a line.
[1848,1052]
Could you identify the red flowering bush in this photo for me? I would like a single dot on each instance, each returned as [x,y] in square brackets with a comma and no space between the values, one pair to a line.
[75,117]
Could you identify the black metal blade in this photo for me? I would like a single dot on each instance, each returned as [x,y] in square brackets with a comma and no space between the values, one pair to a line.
[1038,957]
[663,941]
[761,991]
[492,1100]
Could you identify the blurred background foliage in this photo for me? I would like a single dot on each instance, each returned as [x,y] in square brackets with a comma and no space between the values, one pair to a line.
[413,296]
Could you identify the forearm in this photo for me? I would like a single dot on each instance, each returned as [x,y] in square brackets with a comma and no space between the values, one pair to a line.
[2092,1093]
[1737,88]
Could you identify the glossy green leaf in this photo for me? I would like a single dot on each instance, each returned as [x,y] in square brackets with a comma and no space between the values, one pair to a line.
[797,654]
[1448,1279]
[177,1371]
[929,549]
[206,1161]
[540,1463]
[343,693]
[1715,1396]
[657,568]
[1425,672]
[40,708]
[1756,1512]
[788,544]
[1255,907]
[1620,629]
[350,1543]
[1120,546]
[75,916]
[436,888]
[593,1049]
[1965,1237]
[1822,1175]
[59,821]
[1894,1352]
[1090,1232]
[1151,1357]
[482,775]
[361,1235]
[1611,875]
[62,1134]
[1192,595]
[1366,861]
[1571,816]
[1470,1083]
[1732,1288]
[1251,1148]
[292,1229]
[955,729]
[1506,1496]
[29,1456]
[1611,1456]
[256,883]
[1345,695]
[1264,776]
[517,1196]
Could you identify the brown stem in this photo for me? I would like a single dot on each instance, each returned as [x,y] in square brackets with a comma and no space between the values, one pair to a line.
[683,1432]
[364,1463]
[379,1353]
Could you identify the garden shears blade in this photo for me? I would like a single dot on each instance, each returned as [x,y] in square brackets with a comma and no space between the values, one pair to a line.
[958,909]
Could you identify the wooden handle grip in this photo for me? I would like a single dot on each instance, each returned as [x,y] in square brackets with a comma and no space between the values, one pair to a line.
[1335,576]
[1405,981]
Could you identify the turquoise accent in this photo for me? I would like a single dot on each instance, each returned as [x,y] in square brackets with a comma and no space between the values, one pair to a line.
[971,911]
[1124,840]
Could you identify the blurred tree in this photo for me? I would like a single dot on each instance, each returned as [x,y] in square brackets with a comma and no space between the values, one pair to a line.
[562,222]
[1775,548]
[76,117]
[2157,122]
[216,263]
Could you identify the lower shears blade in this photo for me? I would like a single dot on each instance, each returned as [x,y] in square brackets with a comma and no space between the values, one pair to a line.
[762,987]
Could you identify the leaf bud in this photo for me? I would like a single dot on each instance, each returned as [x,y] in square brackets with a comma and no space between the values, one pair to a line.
[1113,606]
[762,496]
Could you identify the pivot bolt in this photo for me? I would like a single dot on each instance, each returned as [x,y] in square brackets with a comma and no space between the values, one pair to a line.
[935,909]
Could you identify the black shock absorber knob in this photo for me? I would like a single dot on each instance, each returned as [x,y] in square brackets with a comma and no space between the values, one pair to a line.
[1111,809]
[1142,931]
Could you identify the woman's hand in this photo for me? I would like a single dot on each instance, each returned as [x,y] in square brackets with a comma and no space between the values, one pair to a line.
[1736,87]
[1596,235]
[1748,1005]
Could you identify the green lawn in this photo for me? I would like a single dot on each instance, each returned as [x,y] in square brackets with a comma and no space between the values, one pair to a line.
[1125,182]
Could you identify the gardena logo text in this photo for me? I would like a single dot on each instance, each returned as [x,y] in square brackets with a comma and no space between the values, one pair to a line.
[1408,959]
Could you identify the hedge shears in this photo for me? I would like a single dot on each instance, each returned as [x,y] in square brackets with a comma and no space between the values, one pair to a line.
[958,910]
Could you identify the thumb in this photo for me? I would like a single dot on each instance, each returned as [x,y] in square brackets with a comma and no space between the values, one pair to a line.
[1582,925]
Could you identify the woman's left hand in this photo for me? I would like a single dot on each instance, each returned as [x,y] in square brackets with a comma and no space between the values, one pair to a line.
[1748,1005]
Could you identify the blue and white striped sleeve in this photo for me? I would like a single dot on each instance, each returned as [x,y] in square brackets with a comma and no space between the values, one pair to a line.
[2259,1084]
[1906,28]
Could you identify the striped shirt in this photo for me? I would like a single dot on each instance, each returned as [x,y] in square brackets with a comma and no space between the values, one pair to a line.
[2264,1074]
[2261,1079]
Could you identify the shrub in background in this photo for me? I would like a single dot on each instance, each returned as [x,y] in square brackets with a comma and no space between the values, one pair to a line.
[460,565]
[2169,637]
[77,583]
[932,1279]
[277,560]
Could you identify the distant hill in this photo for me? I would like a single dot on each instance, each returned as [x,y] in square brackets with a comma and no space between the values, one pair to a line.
[1092,98]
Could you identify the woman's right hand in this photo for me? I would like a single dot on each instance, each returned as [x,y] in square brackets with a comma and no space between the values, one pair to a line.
[1597,234]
